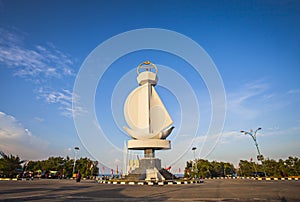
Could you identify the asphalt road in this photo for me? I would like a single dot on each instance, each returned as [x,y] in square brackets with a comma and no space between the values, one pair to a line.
[210,190]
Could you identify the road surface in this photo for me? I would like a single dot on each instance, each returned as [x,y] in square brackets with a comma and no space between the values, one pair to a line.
[210,190]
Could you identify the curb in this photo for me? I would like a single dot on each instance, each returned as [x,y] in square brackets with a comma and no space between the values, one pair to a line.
[277,179]
[160,183]
[256,178]
[8,179]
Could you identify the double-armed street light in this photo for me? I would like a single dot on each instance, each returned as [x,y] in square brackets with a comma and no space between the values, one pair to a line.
[260,157]
[76,150]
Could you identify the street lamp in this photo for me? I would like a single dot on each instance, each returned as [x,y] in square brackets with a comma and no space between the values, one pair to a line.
[76,150]
[194,148]
[260,157]
[195,169]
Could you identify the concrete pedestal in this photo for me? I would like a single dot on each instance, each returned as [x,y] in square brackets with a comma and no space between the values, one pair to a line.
[148,169]
[147,163]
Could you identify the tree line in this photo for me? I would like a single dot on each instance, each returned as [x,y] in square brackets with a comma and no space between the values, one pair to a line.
[12,166]
[281,168]
[56,167]
[201,168]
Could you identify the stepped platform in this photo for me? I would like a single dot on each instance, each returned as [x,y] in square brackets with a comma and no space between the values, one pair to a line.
[140,177]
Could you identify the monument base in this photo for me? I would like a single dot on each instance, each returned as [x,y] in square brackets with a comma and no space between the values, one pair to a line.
[148,170]
[147,163]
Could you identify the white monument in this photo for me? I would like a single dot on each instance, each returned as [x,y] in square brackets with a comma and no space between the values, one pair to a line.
[149,122]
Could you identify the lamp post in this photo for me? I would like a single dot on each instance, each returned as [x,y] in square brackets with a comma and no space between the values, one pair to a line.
[76,150]
[260,157]
[194,148]
[195,169]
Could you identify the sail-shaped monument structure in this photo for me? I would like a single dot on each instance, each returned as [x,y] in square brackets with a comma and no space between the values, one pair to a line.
[149,123]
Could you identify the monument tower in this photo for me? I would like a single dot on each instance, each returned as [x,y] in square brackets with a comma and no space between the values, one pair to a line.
[148,120]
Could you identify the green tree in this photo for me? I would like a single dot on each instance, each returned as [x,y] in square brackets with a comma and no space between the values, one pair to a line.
[272,168]
[205,169]
[9,165]
[246,168]
[292,166]
[87,167]
[188,169]
[280,168]
[218,169]
[68,168]
[229,169]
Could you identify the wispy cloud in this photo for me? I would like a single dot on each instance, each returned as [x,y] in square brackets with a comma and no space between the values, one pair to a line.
[39,119]
[36,63]
[17,140]
[240,102]
[229,137]
[62,98]
[39,64]
[283,132]
[257,98]
[294,91]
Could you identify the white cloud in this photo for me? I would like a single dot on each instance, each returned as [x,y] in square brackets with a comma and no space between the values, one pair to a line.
[63,98]
[39,119]
[287,132]
[17,140]
[294,91]
[38,63]
[239,102]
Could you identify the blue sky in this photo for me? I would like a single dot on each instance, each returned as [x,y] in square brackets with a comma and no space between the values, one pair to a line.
[255,46]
